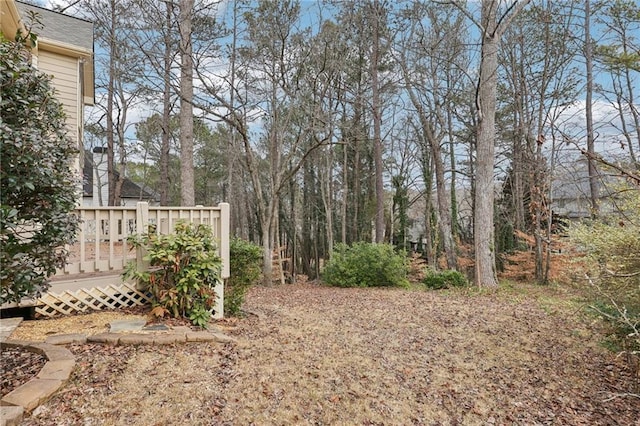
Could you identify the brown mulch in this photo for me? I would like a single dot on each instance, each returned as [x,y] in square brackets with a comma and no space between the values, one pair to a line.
[308,354]
[18,366]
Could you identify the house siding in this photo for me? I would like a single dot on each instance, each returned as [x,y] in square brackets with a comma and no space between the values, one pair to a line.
[64,71]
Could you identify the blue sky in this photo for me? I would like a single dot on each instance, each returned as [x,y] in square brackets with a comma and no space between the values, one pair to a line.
[603,111]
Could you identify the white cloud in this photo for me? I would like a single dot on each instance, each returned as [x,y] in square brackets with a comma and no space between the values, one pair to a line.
[609,139]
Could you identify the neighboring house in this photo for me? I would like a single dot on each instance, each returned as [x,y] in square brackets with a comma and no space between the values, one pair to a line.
[64,50]
[95,189]
[570,190]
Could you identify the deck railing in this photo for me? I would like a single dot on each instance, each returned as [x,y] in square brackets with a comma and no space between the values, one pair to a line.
[91,279]
[102,241]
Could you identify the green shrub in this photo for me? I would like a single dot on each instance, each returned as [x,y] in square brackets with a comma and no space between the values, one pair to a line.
[245,266]
[624,324]
[610,262]
[39,188]
[444,279]
[366,265]
[184,268]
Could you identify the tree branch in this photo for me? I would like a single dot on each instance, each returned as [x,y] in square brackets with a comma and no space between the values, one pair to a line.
[508,16]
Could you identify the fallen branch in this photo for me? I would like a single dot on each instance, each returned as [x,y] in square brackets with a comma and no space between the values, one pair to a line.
[616,275]
[613,396]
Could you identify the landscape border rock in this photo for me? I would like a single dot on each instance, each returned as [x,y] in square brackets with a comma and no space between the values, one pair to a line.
[53,375]
[61,362]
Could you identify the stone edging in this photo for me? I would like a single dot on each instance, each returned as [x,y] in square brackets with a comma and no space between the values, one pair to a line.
[61,362]
[151,338]
[54,374]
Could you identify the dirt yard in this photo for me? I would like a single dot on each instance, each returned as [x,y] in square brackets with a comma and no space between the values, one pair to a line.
[312,355]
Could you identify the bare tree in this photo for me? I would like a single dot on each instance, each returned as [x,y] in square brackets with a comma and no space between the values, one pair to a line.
[429,52]
[187,191]
[588,57]
[492,25]
[617,52]
[273,68]
[118,91]
[539,80]
[156,30]
[377,14]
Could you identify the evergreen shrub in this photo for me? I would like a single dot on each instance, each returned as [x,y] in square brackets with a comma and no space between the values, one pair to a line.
[184,268]
[366,265]
[40,187]
[245,266]
[444,279]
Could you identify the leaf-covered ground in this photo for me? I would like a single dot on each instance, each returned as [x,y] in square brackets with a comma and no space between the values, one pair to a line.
[324,356]
[18,367]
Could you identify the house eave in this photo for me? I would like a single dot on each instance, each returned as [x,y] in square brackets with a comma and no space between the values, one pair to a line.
[85,55]
[10,21]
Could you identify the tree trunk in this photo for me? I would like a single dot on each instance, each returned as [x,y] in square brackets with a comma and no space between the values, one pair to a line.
[538,205]
[122,154]
[484,238]
[452,165]
[111,173]
[588,56]
[231,196]
[166,109]
[345,189]
[377,119]
[444,209]
[442,196]
[326,186]
[355,231]
[293,238]
[187,190]
[427,176]
[267,254]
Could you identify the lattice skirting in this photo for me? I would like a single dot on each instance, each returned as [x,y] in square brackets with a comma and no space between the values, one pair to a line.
[90,299]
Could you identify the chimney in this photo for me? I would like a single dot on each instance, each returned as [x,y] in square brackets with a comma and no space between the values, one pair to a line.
[100,177]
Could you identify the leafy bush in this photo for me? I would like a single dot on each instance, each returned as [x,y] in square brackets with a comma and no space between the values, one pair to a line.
[624,322]
[184,269]
[245,266]
[444,279]
[366,265]
[39,187]
[610,249]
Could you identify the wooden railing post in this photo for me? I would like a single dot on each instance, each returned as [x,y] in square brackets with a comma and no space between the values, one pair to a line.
[142,227]
[223,233]
[224,238]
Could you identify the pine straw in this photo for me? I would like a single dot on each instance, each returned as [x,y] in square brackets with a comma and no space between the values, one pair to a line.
[89,324]
[325,356]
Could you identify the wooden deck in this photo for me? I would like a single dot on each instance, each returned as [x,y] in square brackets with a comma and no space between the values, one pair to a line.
[99,257]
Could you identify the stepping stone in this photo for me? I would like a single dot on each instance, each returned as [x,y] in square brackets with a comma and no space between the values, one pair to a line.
[7,325]
[127,325]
